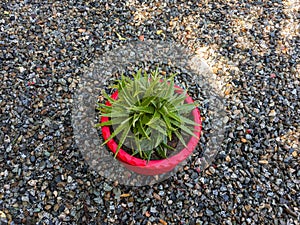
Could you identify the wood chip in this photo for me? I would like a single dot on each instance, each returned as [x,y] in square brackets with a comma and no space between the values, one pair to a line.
[81,30]
[163,222]
[156,196]
[47,207]
[295,154]
[227,91]
[228,159]
[124,195]
[263,162]
[141,37]
[159,32]
[248,207]
[244,140]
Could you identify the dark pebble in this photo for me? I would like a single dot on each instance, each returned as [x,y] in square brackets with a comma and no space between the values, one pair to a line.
[32,159]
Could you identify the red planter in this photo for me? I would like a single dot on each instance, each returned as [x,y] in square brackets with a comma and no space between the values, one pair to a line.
[154,167]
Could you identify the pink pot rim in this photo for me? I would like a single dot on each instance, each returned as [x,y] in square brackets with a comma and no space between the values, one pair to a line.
[128,159]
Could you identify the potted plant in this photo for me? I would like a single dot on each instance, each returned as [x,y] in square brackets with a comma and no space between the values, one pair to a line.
[145,121]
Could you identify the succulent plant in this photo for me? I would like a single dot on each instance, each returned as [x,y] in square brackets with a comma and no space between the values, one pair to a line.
[149,112]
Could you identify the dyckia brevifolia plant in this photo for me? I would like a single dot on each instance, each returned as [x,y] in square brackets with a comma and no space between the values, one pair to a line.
[149,112]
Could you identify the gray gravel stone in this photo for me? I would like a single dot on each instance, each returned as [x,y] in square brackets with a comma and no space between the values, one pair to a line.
[253,46]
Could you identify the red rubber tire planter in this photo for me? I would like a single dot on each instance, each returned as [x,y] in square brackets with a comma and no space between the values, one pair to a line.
[154,167]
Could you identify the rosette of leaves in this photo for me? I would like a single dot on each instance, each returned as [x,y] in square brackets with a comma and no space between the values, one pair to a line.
[148,112]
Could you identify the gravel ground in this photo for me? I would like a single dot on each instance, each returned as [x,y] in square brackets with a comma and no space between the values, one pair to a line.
[252,45]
